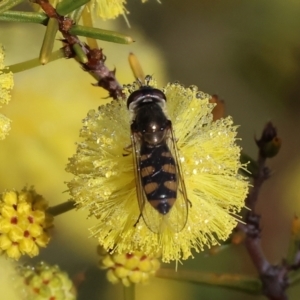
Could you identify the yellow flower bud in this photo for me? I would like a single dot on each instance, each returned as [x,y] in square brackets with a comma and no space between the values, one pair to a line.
[5,242]
[128,268]
[46,282]
[111,277]
[132,262]
[16,234]
[8,211]
[13,251]
[145,265]
[121,272]
[135,276]
[24,208]
[5,225]
[35,230]
[107,262]
[43,240]
[21,224]
[119,258]
[10,198]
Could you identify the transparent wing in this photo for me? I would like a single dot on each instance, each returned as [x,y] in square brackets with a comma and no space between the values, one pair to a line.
[176,218]
[152,218]
[178,215]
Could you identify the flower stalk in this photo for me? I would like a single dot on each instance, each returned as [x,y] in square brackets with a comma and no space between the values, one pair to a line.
[61,208]
[247,284]
[129,292]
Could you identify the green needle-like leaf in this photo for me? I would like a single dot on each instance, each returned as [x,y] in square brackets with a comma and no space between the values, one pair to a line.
[80,55]
[66,6]
[32,63]
[24,16]
[247,284]
[7,4]
[48,41]
[77,14]
[101,34]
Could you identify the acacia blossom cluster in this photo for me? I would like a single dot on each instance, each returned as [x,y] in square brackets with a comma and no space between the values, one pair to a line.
[104,180]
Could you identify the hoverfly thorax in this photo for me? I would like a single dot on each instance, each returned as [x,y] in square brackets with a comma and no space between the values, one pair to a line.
[157,168]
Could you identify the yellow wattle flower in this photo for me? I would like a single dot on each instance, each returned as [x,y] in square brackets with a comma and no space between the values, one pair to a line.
[44,282]
[23,224]
[109,9]
[128,268]
[104,179]
[6,85]
[4,126]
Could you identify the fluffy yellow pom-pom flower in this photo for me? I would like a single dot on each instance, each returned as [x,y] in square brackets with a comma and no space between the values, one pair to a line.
[4,126]
[104,179]
[6,85]
[23,223]
[109,9]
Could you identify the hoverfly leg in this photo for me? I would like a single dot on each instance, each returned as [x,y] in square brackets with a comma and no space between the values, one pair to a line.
[127,150]
[137,220]
[189,202]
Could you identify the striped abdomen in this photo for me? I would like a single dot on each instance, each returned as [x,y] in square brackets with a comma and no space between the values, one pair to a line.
[158,176]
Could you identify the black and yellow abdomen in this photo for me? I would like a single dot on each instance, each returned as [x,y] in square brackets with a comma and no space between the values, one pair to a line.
[158,176]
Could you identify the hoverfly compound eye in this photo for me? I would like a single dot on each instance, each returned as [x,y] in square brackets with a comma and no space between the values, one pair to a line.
[134,97]
[158,94]
[145,94]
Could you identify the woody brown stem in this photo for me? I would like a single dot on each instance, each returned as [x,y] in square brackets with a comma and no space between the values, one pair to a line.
[273,277]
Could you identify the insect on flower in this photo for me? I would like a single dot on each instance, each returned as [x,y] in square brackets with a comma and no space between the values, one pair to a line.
[160,186]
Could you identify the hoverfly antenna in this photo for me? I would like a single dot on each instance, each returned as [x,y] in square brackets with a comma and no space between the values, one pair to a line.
[148,78]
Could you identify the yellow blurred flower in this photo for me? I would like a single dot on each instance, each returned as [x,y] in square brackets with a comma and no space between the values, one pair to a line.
[46,282]
[7,277]
[109,9]
[4,126]
[23,223]
[104,179]
[6,85]
[128,268]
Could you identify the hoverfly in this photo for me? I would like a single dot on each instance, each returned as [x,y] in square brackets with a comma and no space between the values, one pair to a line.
[161,190]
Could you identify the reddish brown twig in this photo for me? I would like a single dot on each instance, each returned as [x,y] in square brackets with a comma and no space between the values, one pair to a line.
[274,277]
[96,59]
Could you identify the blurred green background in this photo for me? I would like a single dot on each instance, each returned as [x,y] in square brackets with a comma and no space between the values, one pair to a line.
[247,52]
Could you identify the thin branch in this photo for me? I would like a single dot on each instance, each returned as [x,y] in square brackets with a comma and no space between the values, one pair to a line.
[273,277]
[247,284]
[61,208]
